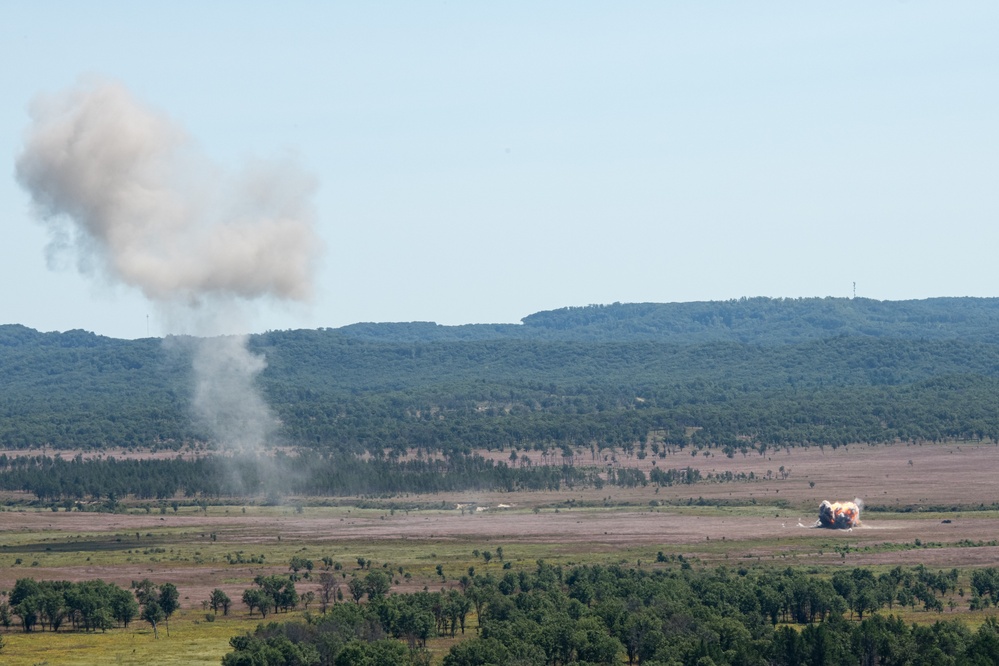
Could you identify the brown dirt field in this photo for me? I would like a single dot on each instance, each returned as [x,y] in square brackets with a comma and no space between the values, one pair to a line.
[885,475]
[611,524]
[580,534]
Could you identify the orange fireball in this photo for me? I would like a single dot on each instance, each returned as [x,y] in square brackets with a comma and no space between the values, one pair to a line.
[839,515]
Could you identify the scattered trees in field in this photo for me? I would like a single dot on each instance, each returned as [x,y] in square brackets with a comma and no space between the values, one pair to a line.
[610,614]
[556,615]
[299,563]
[273,593]
[158,602]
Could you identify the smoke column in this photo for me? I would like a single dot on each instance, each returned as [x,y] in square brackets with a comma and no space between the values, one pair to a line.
[126,189]
[225,399]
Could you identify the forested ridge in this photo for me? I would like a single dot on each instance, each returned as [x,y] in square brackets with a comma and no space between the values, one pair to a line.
[733,374]
[748,320]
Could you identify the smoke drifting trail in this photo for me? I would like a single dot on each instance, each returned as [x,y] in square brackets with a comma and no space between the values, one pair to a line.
[126,188]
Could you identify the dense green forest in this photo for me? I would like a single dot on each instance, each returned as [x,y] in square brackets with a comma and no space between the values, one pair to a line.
[679,616]
[735,375]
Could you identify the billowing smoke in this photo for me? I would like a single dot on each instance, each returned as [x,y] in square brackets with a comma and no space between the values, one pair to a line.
[840,515]
[126,189]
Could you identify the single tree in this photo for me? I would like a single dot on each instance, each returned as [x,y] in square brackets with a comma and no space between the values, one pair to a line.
[329,585]
[219,599]
[153,614]
[377,585]
[169,602]
[356,587]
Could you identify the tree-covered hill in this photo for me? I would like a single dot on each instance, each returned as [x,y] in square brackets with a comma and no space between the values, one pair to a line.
[732,374]
[746,320]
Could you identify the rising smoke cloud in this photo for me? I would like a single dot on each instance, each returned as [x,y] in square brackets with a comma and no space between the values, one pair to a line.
[129,191]
[136,198]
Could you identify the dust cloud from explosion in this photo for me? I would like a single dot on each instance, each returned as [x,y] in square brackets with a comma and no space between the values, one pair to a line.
[128,192]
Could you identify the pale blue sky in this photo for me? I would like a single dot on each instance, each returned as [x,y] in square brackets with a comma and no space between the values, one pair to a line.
[480,161]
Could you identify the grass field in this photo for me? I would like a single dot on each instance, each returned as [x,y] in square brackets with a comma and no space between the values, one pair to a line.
[930,504]
[191,641]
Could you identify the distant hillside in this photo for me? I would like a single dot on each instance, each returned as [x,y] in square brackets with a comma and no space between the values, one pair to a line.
[747,320]
[735,375]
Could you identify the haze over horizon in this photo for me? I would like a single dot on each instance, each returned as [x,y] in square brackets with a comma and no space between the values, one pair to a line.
[476,164]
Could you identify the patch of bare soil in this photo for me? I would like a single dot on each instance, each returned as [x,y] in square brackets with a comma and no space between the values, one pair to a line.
[84,522]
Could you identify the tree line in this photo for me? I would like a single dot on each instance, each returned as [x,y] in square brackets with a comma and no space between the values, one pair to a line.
[102,483]
[605,614]
[69,483]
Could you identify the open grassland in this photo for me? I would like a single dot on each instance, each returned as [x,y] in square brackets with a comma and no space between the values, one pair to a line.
[191,641]
[929,504]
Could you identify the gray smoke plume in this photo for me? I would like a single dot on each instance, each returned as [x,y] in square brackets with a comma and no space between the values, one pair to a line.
[225,399]
[129,191]
[138,201]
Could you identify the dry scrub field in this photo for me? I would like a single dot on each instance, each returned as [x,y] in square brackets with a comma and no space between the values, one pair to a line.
[933,506]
